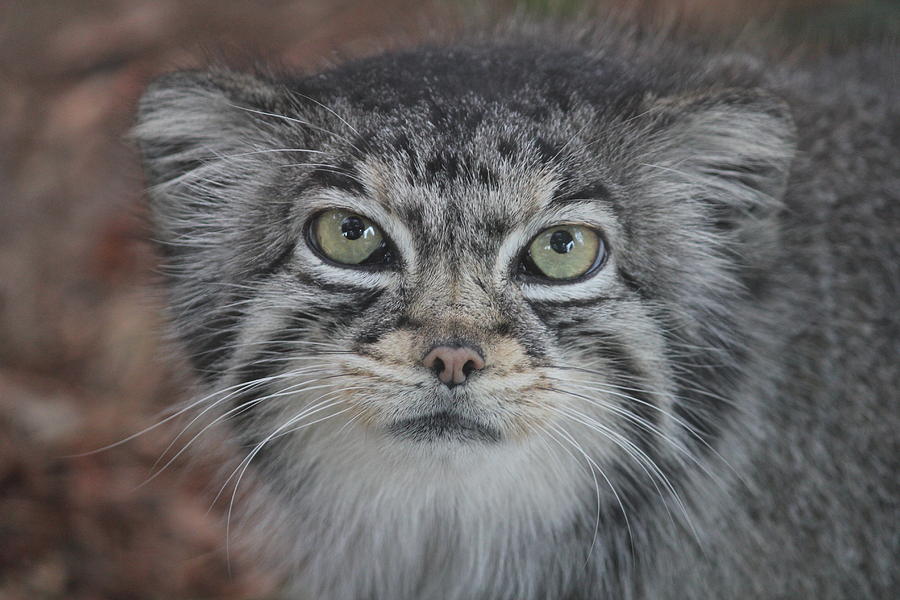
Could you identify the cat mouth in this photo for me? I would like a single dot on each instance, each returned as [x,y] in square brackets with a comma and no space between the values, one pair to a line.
[443,425]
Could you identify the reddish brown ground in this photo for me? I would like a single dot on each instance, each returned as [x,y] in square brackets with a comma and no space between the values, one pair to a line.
[81,360]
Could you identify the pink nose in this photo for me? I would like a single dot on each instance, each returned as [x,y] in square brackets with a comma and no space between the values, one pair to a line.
[453,365]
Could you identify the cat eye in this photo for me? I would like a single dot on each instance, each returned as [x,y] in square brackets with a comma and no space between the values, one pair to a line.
[347,238]
[564,253]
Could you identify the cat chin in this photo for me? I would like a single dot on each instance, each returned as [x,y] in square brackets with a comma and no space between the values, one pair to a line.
[445,427]
[393,504]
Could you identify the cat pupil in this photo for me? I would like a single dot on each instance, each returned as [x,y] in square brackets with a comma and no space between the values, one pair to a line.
[562,242]
[352,228]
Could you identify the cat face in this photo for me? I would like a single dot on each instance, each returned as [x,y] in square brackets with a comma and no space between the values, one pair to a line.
[458,275]
[585,247]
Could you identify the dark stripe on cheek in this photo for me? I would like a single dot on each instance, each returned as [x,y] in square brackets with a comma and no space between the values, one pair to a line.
[546,309]
[333,288]
[628,374]
[283,257]
[626,379]
[273,356]
[211,348]
[329,314]
[312,320]
[703,405]
[270,361]
[631,282]
[344,312]
[379,325]
[366,302]
[210,344]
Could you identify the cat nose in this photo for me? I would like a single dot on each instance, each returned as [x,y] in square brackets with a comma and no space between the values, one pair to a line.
[453,364]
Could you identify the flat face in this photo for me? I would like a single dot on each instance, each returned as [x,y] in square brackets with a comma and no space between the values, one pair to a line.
[558,215]
[467,260]
[465,169]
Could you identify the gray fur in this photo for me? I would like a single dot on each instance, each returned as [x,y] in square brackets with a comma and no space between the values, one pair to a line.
[729,378]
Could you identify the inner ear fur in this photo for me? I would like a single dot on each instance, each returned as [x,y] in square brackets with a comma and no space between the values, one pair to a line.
[204,138]
[733,148]
[189,118]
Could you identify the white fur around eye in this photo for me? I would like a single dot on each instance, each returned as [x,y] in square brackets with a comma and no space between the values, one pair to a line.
[591,214]
[347,276]
[392,228]
[601,284]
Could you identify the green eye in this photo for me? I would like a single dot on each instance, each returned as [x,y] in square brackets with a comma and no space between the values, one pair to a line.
[349,239]
[564,252]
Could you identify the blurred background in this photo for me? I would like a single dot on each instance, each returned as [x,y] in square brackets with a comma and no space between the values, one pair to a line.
[83,363]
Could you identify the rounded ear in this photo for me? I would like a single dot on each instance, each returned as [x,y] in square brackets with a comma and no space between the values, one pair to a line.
[188,118]
[734,147]
[206,139]
[203,138]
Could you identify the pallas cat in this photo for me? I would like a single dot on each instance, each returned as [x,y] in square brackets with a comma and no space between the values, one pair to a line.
[543,319]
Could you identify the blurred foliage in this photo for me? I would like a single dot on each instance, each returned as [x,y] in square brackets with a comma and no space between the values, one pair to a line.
[844,23]
[552,8]
[827,22]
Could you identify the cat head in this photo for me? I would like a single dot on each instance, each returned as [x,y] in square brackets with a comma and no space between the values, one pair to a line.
[447,251]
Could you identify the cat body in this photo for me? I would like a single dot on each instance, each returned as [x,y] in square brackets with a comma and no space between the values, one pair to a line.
[707,411]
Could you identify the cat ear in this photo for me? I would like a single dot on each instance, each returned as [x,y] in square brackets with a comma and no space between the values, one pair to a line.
[206,139]
[732,149]
[190,118]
